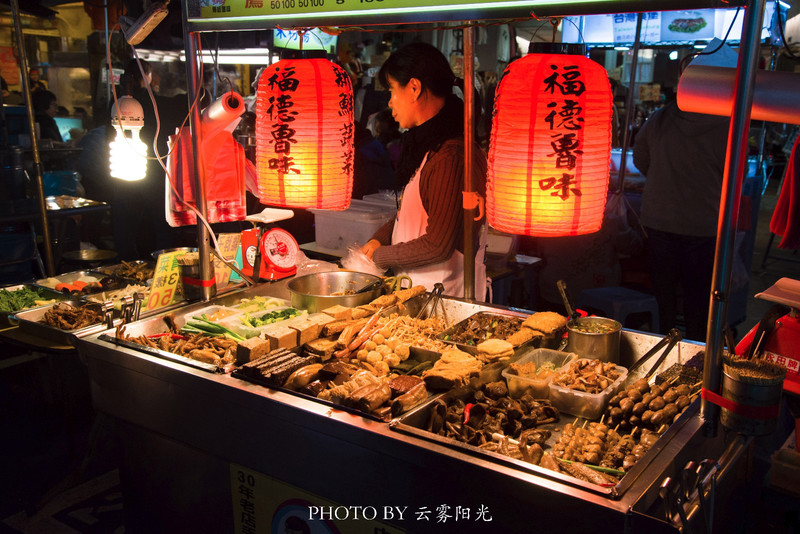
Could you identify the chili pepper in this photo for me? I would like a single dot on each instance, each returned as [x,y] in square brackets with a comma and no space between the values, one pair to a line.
[467,409]
[173,336]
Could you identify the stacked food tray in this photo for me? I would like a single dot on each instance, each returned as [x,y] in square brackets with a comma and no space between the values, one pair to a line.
[20,297]
[557,425]
[202,336]
[83,303]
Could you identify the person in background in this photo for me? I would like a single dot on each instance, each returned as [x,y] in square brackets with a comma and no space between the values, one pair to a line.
[35,83]
[682,156]
[372,168]
[45,108]
[387,131]
[426,240]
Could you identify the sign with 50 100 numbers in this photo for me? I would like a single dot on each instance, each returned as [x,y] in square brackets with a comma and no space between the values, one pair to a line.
[205,15]
[304,11]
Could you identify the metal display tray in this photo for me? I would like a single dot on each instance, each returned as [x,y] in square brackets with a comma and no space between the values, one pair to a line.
[29,321]
[114,270]
[50,294]
[415,422]
[87,276]
[170,356]
[459,326]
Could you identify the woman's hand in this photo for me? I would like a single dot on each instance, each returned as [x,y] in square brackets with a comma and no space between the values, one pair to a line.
[370,248]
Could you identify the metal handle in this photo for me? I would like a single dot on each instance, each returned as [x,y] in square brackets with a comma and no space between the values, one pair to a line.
[562,288]
[107,308]
[137,305]
[671,495]
[127,309]
[665,492]
[707,473]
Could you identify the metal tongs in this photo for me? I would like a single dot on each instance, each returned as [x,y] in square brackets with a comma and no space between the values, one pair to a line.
[435,297]
[670,340]
[572,313]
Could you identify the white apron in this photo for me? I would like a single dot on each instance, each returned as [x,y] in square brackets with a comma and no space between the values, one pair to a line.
[411,223]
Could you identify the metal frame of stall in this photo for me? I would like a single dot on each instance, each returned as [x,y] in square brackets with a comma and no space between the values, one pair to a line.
[217,425]
[188,433]
[735,165]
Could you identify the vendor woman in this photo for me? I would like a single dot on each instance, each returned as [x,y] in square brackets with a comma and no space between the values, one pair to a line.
[426,240]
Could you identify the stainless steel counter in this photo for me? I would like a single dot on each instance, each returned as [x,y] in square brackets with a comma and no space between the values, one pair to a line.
[187,434]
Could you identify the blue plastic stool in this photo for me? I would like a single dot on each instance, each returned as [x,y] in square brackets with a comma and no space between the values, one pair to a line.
[619,302]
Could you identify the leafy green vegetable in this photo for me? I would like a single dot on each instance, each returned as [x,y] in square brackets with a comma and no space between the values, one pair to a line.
[271,317]
[202,325]
[20,299]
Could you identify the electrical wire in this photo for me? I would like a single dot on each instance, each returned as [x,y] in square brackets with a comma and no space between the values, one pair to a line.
[157,157]
[689,57]
[786,45]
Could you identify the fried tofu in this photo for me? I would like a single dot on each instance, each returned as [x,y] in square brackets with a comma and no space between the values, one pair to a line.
[547,322]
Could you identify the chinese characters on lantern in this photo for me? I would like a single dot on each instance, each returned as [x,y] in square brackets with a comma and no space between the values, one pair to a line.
[304,135]
[565,121]
[280,112]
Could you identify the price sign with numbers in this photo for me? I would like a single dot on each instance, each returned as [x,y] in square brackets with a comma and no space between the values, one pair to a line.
[228,245]
[166,282]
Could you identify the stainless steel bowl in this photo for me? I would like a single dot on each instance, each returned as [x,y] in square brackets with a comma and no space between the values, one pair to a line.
[594,337]
[318,291]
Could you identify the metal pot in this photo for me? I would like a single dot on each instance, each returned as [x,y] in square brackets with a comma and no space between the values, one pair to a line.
[318,291]
[594,337]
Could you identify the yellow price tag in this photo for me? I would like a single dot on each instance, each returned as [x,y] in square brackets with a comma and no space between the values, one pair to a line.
[166,282]
[228,245]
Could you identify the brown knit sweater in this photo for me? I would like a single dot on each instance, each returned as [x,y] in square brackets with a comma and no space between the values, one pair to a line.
[441,184]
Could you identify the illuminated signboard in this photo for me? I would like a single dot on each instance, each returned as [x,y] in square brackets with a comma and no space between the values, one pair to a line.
[313,39]
[665,27]
[233,14]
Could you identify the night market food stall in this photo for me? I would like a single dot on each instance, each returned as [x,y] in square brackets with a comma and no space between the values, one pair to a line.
[232,436]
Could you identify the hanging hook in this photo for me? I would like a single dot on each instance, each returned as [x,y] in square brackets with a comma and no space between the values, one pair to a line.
[554,22]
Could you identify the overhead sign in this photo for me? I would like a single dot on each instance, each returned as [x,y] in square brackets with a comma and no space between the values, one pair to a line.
[221,14]
[677,26]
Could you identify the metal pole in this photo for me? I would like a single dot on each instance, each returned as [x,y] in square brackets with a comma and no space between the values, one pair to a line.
[110,76]
[193,82]
[735,167]
[469,246]
[626,134]
[37,160]
[762,140]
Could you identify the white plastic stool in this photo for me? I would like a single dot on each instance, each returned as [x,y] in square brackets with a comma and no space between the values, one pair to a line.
[619,302]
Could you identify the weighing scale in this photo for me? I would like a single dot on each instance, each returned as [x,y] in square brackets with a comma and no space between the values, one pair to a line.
[269,253]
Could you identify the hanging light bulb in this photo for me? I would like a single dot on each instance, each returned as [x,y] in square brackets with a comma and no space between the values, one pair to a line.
[127,153]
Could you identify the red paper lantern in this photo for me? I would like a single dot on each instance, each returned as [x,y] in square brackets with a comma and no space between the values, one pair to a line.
[550,147]
[304,135]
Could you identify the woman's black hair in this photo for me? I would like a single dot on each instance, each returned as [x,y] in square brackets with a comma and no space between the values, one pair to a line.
[421,61]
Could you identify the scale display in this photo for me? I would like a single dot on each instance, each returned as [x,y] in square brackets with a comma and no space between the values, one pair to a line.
[279,249]
[275,253]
